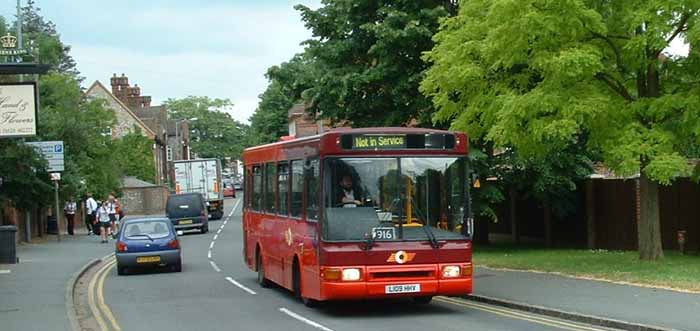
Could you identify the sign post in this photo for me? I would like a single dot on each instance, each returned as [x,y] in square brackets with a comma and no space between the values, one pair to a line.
[52,151]
[55,177]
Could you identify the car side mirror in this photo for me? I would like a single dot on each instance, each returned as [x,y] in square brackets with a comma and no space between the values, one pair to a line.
[179,232]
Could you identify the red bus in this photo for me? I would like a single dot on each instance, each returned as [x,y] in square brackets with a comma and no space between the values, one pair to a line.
[360,214]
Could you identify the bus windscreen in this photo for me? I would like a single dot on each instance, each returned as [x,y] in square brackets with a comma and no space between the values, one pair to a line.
[389,199]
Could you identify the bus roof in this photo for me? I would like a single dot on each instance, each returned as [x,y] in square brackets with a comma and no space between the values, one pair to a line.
[338,131]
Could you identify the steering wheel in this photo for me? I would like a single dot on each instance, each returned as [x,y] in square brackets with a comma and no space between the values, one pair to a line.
[342,204]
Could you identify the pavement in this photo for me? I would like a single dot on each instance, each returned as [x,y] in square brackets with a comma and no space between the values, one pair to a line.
[639,305]
[32,292]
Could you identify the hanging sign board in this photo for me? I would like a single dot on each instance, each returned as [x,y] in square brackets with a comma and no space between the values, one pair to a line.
[18,109]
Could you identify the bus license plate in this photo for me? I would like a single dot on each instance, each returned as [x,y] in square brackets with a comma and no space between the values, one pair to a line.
[384,233]
[406,288]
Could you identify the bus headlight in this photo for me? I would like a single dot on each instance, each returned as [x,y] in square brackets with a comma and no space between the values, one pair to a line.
[351,274]
[451,271]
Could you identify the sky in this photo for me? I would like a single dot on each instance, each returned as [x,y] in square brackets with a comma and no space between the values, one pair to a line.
[178,48]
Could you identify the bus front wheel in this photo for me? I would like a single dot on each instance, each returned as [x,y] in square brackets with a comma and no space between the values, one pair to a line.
[296,286]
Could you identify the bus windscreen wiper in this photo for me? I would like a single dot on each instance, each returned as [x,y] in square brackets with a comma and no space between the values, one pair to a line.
[426,227]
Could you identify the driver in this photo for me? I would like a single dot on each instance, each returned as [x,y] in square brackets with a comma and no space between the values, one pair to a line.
[348,196]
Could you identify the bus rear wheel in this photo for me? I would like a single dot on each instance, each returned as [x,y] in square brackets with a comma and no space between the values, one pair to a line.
[262,281]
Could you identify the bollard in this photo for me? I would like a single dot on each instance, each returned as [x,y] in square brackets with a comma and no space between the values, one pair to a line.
[8,244]
[681,241]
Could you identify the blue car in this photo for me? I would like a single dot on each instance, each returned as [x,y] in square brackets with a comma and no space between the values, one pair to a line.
[148,242]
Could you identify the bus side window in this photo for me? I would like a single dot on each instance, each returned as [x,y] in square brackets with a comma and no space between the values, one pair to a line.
[297,196]
[270,187]
[312,175]
[283,187]
[257,188]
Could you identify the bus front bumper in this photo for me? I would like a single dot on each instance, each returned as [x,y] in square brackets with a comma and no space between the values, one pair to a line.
[369,288]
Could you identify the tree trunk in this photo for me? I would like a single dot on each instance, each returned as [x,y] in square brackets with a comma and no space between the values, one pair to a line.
[548,226]
[649,226]
[515,235]
[590,213]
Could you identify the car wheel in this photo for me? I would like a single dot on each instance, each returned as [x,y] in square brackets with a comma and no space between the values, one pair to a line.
[262,281]
[422,300]
[205,228]
[121,271]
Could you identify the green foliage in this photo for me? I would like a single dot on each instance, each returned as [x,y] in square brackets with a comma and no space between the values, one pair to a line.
[25,182]
[47,47]
[214,134]
[367,59]
[288,83]
[535,75]
[134,156]
[89,156]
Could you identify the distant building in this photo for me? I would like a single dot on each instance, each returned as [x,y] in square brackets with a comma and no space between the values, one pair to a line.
[301,124]
[126,119]
[172,136]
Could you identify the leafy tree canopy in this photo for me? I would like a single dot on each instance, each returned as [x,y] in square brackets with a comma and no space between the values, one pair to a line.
[140,162]
[368,59]
[288,82]
[213,132]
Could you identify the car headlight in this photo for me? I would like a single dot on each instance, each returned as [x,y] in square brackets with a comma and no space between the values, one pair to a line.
[450,271]
[351,274]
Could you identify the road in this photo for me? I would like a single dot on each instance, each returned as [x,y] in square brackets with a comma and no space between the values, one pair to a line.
[216,291]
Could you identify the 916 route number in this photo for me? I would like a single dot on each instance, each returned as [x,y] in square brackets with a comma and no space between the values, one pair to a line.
[383,233]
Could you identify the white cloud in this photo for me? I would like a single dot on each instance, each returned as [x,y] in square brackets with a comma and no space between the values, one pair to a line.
[215,51]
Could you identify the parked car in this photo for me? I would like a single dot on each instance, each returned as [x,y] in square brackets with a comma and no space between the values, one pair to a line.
[229,190]
[237,186]
[148,242]
[188,211]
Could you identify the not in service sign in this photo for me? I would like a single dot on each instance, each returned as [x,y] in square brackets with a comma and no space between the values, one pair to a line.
[18,110]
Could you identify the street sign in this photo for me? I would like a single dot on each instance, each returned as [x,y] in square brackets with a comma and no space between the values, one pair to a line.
[52,151]
[55,176]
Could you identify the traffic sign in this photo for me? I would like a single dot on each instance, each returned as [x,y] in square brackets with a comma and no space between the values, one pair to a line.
[55,176]
[52,151]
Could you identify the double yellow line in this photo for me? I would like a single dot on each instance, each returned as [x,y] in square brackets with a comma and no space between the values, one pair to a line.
[96,299]
[518,315]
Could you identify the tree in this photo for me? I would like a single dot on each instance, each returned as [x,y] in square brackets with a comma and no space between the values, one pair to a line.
[134,155]
[47,45]
[213,132]
[537,75]
[66,115]
[25,182]
[288,84]
[368,59]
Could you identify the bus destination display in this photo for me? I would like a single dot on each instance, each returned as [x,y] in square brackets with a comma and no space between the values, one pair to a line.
[379,141]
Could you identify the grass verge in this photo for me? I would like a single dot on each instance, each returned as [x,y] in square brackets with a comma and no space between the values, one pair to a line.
[674,271]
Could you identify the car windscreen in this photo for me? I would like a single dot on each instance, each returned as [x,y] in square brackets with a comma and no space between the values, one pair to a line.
[184,206]
[147,230]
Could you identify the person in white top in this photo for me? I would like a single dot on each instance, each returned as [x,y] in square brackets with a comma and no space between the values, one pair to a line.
[91,209]
[104,222]
[69,211]
[112,207]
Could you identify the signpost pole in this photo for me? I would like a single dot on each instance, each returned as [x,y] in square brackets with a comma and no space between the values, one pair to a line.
[56,213]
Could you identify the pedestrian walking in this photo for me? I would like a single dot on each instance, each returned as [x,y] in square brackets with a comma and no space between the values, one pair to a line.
[104,221]
[69,210]
[112,206]
[91,209]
